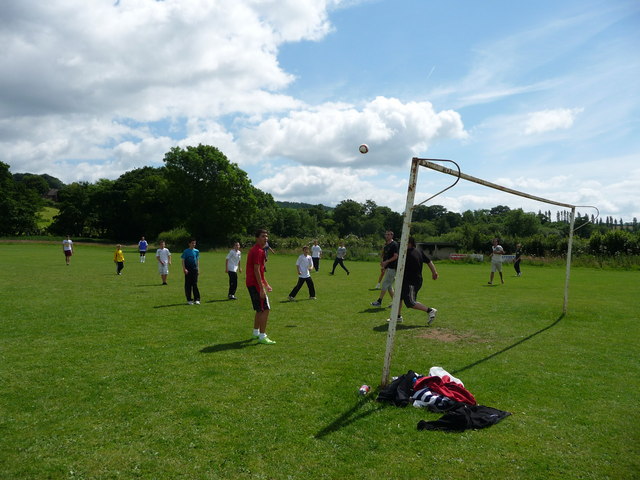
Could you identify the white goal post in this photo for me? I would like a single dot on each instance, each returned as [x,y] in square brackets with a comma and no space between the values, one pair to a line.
[406,227]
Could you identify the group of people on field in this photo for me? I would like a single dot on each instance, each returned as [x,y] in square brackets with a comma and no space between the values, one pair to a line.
[258,286]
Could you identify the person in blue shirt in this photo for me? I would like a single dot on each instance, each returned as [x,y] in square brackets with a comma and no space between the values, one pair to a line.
[142,248]
[190,266]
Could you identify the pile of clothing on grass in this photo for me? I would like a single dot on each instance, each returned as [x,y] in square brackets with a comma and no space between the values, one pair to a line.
[440,392]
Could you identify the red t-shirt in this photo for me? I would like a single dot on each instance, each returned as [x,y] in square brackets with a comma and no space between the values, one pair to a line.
[256,256]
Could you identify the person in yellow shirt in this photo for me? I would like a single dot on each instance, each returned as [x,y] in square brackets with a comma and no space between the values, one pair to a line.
[118,259]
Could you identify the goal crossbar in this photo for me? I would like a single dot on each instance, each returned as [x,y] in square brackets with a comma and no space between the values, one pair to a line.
[440,168]
[404,240]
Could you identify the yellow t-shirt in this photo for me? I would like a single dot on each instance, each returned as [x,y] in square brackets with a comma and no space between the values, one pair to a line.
[118,256]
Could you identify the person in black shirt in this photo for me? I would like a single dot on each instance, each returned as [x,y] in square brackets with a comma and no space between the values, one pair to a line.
[516,261]
[412,280]
[389,263]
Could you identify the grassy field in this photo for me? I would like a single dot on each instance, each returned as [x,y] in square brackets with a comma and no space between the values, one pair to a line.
[115,377]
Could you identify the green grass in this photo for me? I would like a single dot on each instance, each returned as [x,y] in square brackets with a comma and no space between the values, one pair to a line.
[107,377]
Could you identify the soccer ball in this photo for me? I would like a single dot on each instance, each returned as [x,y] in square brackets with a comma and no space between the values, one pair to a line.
[364,148]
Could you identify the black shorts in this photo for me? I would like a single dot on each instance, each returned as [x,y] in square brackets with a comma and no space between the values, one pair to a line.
[259,304]
[410,294]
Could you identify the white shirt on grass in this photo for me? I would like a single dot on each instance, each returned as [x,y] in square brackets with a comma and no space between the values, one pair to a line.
[233,260]
[304,264]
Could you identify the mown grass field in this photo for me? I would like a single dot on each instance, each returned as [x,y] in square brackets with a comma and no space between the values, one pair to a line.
[115,377]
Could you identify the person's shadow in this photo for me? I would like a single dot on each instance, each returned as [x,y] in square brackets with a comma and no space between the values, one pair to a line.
[221,347]
[351,415]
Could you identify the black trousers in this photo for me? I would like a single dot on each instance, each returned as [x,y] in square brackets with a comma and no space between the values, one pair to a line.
[516,266]
[302,281]
[316,263]
[233,282]
[119,267]
[336,262]
[191,285]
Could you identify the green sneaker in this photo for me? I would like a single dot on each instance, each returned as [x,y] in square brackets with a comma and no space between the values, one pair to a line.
[266,341]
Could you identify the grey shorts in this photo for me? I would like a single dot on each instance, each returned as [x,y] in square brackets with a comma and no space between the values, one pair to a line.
[389,278]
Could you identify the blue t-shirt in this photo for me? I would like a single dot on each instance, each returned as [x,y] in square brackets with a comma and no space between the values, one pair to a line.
[190,257]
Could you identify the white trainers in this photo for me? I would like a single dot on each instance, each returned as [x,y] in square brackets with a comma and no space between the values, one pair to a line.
[197,302]
[312,298]
[190,302]
[292,299]
[399,320]
[432,316]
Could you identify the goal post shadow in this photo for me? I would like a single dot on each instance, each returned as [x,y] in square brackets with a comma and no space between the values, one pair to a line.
[406,227]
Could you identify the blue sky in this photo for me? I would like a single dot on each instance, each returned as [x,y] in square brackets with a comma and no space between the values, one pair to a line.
[541,97]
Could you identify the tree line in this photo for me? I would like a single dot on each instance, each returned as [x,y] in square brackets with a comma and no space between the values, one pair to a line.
[199,192]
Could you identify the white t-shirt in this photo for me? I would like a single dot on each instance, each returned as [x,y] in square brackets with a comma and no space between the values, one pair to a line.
[497,254]
[304,263]
[233,260]
[67,244]
[316,251]
[163,255]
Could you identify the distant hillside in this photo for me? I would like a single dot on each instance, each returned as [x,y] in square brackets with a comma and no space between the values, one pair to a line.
[300,205]
[53,182]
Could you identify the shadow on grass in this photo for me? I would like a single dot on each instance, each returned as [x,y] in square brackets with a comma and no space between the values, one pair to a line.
[399,326]
[220,300]
[181,304]
[373,310]
[506,349]
[351,415]
[222,347]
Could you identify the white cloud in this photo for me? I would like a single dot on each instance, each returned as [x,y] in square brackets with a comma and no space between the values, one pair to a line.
[76,75]
[320,185]
[549,120]
[329,134]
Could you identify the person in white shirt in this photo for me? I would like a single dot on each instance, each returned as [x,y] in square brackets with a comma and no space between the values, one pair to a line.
[316,253]
[232,267]
[67,248]
[303,265]
[496,260]
[163,255]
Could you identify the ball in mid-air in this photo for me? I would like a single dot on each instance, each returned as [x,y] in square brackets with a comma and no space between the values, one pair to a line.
[364,148]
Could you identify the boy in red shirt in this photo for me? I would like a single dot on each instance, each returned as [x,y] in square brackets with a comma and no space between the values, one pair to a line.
[258,287]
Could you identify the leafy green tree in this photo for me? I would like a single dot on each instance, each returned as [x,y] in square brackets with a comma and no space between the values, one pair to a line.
[349,217]
[266,213]
[36,183]
[18,205]
[143,206]
[74,217]
[520,224]
[212,197]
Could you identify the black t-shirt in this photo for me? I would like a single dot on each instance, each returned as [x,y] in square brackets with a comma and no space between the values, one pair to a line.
[413,266]
[389,250]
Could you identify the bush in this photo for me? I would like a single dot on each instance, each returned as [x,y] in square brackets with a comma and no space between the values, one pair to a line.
[176,238]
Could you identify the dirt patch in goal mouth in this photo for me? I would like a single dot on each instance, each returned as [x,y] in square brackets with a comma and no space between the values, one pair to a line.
[444,335]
